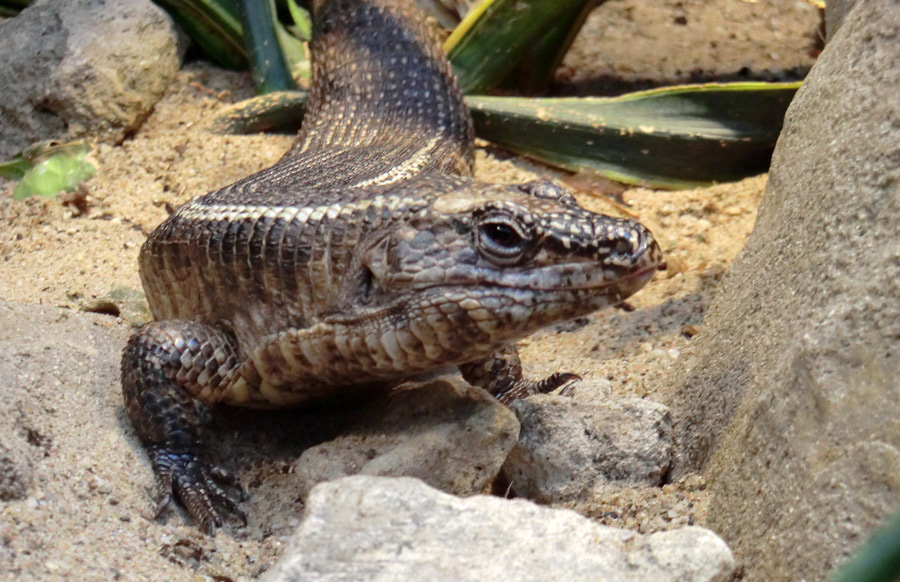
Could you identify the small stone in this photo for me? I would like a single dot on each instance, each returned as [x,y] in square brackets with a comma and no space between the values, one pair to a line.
[567,450]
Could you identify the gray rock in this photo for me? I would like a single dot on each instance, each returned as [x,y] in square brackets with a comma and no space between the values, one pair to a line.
[41,349]
[835,12]
[791,397]
[83,68]
[374,529]
[451,435]
[15,454]
[568,450]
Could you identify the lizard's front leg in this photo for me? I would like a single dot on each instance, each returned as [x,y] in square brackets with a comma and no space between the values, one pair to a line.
[501,375]
[170,371]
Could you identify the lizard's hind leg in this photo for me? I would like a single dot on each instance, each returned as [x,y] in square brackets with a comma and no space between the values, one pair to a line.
[170,371]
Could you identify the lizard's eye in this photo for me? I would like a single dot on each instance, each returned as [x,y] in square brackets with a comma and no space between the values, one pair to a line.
[501,235]
[502,239]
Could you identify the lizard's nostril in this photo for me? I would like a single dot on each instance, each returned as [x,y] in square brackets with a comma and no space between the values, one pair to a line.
[623,247]
[641,239]
[631,244]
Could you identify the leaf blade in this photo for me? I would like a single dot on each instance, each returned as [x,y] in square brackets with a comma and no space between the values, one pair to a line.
[676,137]
[498,35]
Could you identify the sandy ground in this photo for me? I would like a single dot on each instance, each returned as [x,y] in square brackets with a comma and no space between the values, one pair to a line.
[627,45]
[54,255]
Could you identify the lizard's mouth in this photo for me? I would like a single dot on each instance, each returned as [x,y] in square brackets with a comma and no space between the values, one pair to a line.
[581,276]
[601,279]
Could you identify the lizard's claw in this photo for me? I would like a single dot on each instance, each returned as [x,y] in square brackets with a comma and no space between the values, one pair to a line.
[197,486]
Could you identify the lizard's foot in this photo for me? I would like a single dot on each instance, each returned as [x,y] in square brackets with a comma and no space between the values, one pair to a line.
[501,375]
[198,486]
[525,388]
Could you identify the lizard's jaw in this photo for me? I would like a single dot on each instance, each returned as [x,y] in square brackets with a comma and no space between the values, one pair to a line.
[578,275]
[463,320]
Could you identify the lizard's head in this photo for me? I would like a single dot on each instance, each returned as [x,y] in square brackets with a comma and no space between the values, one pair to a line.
[507,260]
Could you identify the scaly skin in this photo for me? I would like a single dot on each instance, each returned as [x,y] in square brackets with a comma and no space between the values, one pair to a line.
[366,256]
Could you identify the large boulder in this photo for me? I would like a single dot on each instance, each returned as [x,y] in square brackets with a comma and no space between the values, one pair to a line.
[790,401]
[379,528]
[834,15]
[83,68]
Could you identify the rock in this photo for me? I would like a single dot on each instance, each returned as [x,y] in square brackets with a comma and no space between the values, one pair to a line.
[451,435]
[790,401]
[15,453]
[375,528]
[835,12]
[567,450]
[36,343]
[83,68]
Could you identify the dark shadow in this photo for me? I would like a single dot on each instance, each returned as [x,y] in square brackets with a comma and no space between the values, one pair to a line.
[249,438]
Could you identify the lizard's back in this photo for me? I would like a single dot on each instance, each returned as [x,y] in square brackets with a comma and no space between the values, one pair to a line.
[268,253]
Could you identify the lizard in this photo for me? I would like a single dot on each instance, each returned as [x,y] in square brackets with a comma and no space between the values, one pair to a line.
[368,255]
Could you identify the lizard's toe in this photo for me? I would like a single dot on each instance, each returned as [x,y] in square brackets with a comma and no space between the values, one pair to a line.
[197,487]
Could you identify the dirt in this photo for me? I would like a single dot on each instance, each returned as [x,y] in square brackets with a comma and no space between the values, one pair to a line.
[56,255]
[627,45]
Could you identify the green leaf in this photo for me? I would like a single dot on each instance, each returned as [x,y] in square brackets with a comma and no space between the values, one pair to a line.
[279,111]
[15,169]
[540,60]
[264,45]
[214,26]
[59,173]
[676,137]
[303,25]
[295,53]
[498,36]
[878,560]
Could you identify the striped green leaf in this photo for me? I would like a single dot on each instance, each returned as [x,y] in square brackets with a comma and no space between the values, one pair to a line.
[675,137]
[502,41]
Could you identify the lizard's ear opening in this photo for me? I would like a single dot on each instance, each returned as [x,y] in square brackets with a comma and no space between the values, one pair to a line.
[365,284]
[360,288]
